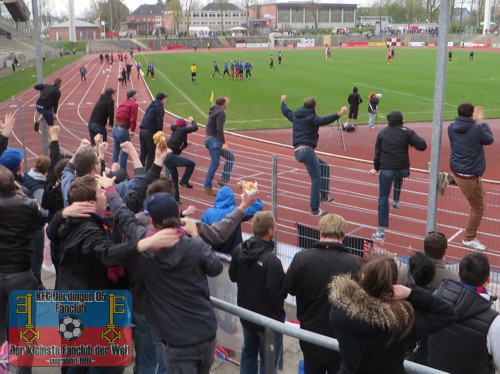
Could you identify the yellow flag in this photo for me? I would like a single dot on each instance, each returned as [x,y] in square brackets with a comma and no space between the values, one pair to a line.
[212,97]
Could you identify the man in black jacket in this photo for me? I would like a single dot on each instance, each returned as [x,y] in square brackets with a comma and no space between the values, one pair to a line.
[306,125]
[48,102]
[177,143]
[84,235]
[217,146]
[308,278]
[354,99]
[151,123]
[392,163]
[178,294]
[19,218]
[260,278]
[104,111]
[472,343]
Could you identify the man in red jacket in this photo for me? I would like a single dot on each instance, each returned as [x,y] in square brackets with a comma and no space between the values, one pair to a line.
[125,123]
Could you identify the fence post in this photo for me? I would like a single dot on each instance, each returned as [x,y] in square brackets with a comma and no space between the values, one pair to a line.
[274,190]
[23,135]
[270,350]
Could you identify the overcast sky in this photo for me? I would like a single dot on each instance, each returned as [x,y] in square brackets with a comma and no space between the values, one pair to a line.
[80,5]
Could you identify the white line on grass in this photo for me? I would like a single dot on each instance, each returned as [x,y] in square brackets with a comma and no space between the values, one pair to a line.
[403,93]
[184,95]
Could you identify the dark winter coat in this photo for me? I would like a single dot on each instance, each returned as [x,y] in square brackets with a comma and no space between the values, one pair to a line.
[391,147]
[104,111]
[308,278]
[178,294]
[306,123]
[49,96]
[215,123]
[364,325]
[461,348]
[86,252]
[19,218]
[373,105]
[354,99]
[153,118]
[466,142]
[260,278]
[178,139]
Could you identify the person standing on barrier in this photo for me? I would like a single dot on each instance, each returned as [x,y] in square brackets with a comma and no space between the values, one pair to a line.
[392,163]
[308,278]
[152,122]
[260,278]
[177,142]
[124,128]
[217,146]
[104,111]
[468,135]
[472,343]
[374,319]
[305,125]
[48,102]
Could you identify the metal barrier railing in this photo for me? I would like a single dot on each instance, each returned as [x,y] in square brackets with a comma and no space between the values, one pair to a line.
[271,325]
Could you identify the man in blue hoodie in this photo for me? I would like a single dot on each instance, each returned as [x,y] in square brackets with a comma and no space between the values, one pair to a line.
[468,135]
[224,204]
[305,124]
[151,123]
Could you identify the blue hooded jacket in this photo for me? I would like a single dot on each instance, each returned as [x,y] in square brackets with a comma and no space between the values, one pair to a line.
[224,204]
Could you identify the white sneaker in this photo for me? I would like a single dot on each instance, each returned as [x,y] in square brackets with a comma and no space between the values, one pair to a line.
[474,244]
[443,182]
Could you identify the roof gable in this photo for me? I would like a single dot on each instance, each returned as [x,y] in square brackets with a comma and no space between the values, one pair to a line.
[220,6]
[149,10]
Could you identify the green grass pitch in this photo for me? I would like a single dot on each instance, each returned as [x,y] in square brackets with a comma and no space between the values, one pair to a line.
[407,84]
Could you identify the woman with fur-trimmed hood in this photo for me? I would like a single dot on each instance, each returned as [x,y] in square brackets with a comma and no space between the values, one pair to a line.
[376,318]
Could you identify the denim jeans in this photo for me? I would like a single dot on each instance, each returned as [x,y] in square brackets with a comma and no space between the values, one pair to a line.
[11,282]
[196,358]
[94,129]
[48,114]
[148,148]
[474,192]
[254,345]
[385,179]
[120,135]
[319,172]
[215,149]
[171,163]
[148,346]
[370,120]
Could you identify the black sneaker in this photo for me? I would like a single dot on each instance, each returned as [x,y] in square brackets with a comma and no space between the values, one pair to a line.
[36,126]
[318,212]
[187,185]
